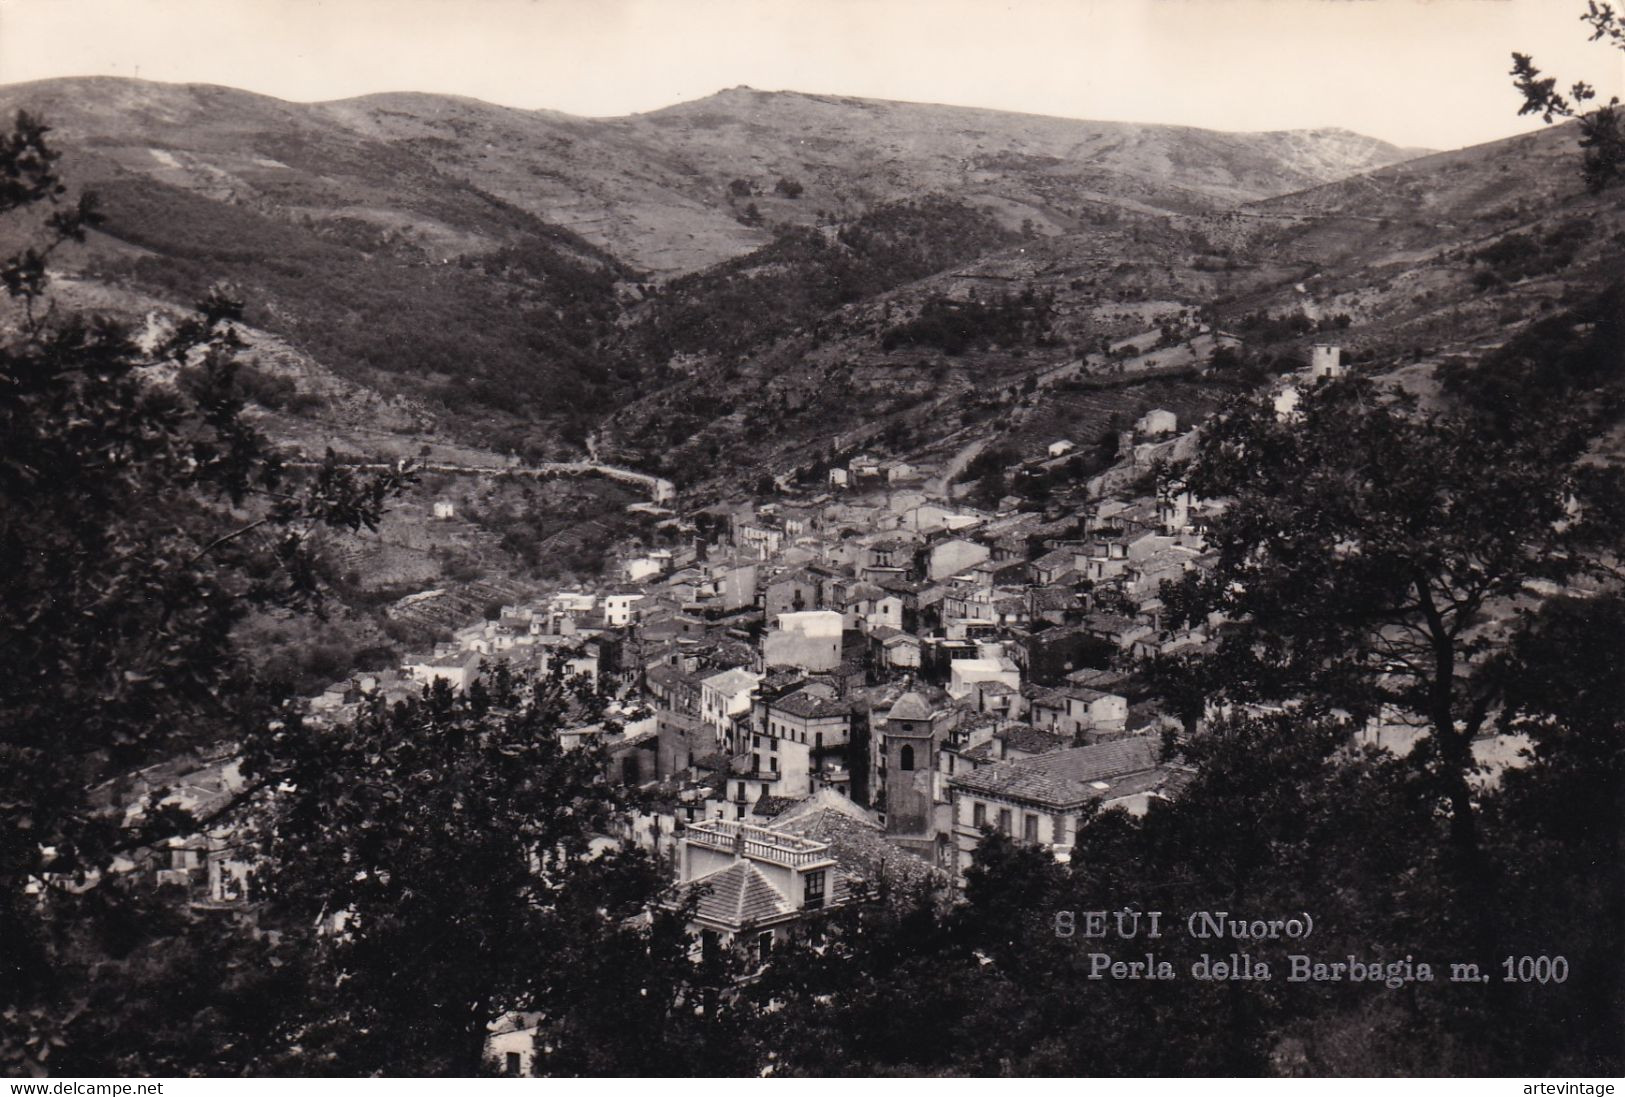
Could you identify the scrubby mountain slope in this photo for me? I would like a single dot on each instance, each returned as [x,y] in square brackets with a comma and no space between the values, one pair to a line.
[669,190]
[359,253]
[754,284]
[653,189]
[489,262]
[1439,260]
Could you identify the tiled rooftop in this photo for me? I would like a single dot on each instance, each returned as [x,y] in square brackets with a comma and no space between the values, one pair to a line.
[1065,778]
[739,895]
[910,706]
[809,706]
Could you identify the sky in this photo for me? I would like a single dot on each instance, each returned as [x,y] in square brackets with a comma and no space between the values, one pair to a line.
[1419,73]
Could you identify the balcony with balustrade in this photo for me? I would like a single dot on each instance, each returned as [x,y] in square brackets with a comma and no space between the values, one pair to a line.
[758,843]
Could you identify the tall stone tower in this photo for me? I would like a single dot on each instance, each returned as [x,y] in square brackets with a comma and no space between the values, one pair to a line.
[909,746]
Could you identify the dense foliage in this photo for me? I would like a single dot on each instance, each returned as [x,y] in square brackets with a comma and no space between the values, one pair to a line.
[803,274]
[515,325]
[1373,555]
[953,326]
[432,865]
[139,521]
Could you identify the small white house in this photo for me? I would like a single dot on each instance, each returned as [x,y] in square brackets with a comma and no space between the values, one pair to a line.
[967,673]
[1325,361]
[1061,448]
[443,509]
[511,1044]
[460,669]
[1156,421]
[620,608]
[641,567]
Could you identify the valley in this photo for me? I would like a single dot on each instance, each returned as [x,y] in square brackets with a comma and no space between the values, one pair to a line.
[696,592]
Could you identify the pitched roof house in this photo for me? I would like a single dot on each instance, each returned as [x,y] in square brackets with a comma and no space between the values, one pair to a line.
[1042,800]
[752,884]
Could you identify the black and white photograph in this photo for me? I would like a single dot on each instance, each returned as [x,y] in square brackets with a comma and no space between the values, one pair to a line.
[823,539]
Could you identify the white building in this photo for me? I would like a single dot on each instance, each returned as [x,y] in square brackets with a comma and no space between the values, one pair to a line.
[1156,421]
[511,1046]
[460,669]
[1325,361]
[619,609]
[723,696]
[967,672]
[809,639]
[1286,402]
[642,567]
[755,883]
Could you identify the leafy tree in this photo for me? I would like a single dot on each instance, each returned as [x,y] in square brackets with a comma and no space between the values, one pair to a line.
[956,326]
[637,995]
[446,849]
[138,523]
[1558,823]
[1371,555]
[1602,128]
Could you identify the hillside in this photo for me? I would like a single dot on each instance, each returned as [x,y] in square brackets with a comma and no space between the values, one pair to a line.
[749,279]
[653,189]
[485,264]
[666,190]
[1440,259]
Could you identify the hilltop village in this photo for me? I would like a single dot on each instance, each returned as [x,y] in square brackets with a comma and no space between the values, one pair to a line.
[705,592]
[848,685]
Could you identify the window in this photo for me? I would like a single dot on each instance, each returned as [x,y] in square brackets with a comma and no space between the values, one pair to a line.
[756,741]
[1060,829]
[812,896]
[1029,829]
[1004,821]
[764,947]
[513,1064]
[979,815]
[774,762]
[773,744]
[905,760]
[819,742]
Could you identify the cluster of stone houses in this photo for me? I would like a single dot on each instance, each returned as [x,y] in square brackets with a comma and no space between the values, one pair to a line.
[833,690]
[917,661]
[824,691]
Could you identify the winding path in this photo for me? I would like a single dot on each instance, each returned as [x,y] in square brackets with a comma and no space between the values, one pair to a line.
[660,490]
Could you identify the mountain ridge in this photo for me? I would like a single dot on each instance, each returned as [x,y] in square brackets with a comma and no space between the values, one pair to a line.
[717,268]
[653,188]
